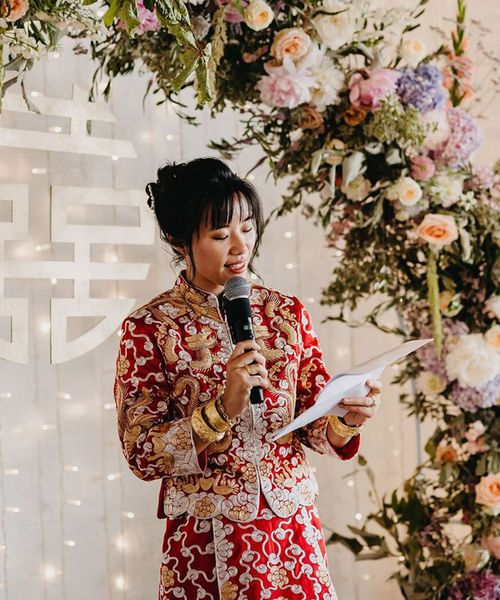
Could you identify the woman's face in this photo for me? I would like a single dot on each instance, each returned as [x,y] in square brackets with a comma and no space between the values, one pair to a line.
[220,254]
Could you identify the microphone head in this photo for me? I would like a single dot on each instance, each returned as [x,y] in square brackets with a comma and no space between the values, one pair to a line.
[236,287]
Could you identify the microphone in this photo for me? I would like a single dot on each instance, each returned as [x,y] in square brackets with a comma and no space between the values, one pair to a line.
[239,319]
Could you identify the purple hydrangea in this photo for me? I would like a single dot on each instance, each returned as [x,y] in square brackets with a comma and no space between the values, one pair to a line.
[465,137]
[422,88]
[470,399]
[427,354]
[480,585]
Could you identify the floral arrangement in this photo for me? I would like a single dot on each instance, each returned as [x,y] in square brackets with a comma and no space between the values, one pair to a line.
[369,127]
[29,29]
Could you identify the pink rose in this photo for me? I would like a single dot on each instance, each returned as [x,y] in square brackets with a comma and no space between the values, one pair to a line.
[285,86]
[492,542]
[422,168]
[367,89]
[18,8]
[439,230]
[476,446]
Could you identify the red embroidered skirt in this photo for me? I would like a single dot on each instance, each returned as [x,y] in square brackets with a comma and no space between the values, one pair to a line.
[271,558]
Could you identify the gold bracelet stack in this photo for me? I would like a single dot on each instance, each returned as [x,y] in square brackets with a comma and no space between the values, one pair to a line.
[211,421]
[344,431]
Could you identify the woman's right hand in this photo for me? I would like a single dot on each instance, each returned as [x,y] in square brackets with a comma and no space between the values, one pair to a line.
[242,376]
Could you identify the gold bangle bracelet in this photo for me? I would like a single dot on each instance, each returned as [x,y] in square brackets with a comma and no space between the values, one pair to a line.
[202,429]
[214,419]
[342,430]
[221,409]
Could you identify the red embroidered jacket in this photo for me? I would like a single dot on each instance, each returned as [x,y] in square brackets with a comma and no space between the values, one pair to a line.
[173,356]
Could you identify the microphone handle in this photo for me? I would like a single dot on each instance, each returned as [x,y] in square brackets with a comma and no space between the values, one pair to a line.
[241,331]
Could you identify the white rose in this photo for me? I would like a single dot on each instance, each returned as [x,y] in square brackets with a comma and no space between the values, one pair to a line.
[492,306]
[492,337]
[472,361]
[358,189]
[258,15]
[406,190]
[447,189]
[431,384]
[413,51]
[329,83]
[335,30]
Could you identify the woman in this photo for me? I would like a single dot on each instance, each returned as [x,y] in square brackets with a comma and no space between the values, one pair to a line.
[241,519]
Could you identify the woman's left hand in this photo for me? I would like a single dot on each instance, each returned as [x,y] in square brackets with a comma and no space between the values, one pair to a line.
[360,409]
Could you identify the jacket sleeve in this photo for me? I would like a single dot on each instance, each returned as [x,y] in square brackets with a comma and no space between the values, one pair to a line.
[155,444]
[311,378]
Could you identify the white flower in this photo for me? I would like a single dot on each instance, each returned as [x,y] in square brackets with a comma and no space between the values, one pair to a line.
[406,190]
[475,557]
[447,189]
[431,384]
[413,51]
[472,361]
[439,128]
[329,83]
[258,15]
[492,306]
[337,28]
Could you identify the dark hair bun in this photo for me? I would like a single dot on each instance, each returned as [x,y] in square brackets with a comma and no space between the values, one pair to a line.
[203,190]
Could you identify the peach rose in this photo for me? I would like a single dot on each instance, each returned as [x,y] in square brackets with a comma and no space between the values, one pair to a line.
[310,118]
[355,115]
[293,43]
[492,337]
[18,8]
[439,230]
[488,492]
[446,454]
[258,15]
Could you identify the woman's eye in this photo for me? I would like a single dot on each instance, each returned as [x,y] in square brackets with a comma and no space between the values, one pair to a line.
[247,230]
[221,238]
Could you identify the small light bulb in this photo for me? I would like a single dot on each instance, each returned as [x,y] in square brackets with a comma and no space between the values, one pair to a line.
[55,55]
[11,471]
[55,129]
[350,483]
[288,234]
[35,94]
[251,177]
[73,502]
[115,157]
[120,582]
[108,406]
[39,171]
[6,395]
[366,577]
[50,572]
[45,326]
[289,266]
[69,543]
[12,509]
[65,395]
[358,516]
[71,468]
[47,427]
[121,543]
[53,280]
[113,476]
[129,515]
[311,300]
[169,137]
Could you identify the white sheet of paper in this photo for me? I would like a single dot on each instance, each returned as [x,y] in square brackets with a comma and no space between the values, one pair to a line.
[350,383]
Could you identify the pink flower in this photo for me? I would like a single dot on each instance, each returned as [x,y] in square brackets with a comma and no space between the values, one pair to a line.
[492,541]
[285,86]
[18,8]
[368,89]
[147,19]
[475,431]
[477,446]
[232,14]
[422,168]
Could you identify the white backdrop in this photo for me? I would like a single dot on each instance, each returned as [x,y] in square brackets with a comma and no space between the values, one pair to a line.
[74,522]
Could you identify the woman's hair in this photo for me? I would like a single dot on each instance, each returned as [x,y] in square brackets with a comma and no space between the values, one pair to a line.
[201,191]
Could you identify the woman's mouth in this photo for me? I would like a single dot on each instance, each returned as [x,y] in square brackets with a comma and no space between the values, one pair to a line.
[236,268]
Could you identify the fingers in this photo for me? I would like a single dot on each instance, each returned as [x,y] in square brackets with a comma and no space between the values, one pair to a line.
[375,386]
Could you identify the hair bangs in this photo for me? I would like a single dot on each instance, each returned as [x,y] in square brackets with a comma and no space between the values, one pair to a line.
[219,210]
